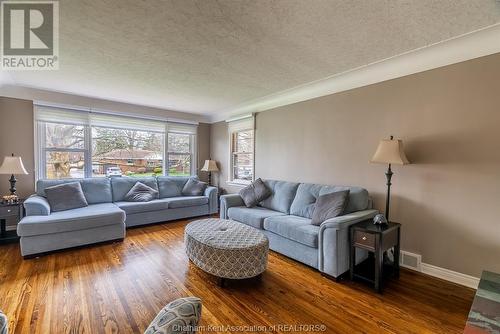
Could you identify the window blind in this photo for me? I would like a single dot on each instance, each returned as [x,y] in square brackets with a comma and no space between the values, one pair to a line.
[241,123]
[182,128]
[124,122]
[61,115]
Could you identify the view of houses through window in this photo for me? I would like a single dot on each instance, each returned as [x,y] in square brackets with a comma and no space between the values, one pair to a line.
[128,152]
[77,151]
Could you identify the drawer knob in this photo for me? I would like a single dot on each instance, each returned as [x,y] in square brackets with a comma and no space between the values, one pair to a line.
[364,238]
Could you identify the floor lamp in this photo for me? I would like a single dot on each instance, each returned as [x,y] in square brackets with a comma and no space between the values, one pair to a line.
[210,166]
[389,151]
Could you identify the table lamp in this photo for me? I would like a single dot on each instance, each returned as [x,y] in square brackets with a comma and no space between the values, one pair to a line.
[389,151]
[14,166]
[210,166]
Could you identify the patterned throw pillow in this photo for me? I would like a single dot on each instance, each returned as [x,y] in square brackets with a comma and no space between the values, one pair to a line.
[141,193]
[180,316]
[4,329]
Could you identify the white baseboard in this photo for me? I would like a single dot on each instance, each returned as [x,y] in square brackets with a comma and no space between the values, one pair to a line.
[414,262]
[450,275]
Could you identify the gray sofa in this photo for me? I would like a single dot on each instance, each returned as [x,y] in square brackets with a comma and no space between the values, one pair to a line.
[285,218]
[108,214]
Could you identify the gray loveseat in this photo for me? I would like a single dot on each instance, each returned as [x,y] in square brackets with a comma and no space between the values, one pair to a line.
[285,217]
[108,214]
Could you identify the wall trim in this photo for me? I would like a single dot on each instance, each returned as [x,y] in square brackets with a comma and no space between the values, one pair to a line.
[461,48]
[450,275]
[435,271]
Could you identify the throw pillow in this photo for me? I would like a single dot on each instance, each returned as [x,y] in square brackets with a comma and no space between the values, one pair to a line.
[194,187]
[329,206]
[254,193]
[180,316]
[66,196]
[141,193]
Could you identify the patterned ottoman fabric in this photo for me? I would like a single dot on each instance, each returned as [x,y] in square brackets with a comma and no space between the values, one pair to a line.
[180,316]
[226,248]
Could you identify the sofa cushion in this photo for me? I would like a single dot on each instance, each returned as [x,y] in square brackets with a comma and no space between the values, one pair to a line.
[254,193]
[95,215]
[304,202]
[329,206]
[139,207]
[194,187]
[295,228]
[141,193]
[122,185]
[66,196]
[308,193]
[282,195]
[186,201]
[251,216]
[96,190]
[171,186]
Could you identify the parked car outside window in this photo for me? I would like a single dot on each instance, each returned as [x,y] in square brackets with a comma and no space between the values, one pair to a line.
[113,171]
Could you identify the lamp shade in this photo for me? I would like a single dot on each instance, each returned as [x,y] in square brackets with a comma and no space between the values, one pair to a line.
[210,166]
[12,165]
[390,151]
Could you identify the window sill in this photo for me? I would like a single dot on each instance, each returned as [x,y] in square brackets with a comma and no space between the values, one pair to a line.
[240,184]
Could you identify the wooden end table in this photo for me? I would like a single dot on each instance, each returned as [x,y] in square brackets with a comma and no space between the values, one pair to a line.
[376,239]
[10,211]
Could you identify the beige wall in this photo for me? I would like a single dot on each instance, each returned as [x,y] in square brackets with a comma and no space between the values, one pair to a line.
[33,94]
[449,120]
[16,136]
[203,148]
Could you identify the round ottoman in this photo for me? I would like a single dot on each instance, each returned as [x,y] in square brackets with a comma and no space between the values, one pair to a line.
[226,249]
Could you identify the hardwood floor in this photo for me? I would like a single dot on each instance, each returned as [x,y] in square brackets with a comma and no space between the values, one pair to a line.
[119,288]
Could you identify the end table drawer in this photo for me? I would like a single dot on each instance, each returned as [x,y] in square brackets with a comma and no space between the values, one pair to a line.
[8,211]
[364,240]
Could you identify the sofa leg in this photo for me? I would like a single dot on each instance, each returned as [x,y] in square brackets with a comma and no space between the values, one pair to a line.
[336,279]
[222,282]
[32,256]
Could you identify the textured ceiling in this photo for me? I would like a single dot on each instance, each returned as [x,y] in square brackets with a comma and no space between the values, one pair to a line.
[206,56]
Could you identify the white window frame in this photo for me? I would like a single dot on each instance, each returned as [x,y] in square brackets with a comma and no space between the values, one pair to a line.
[235,125]
[40,140]
[42,149]
[192,153]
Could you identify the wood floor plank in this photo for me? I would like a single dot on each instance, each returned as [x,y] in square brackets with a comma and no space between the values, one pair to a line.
[120,287]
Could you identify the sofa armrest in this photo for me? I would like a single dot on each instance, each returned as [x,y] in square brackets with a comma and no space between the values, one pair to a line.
[333,242]
[347,220]
[36,206]
[229,201]
[213,205]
